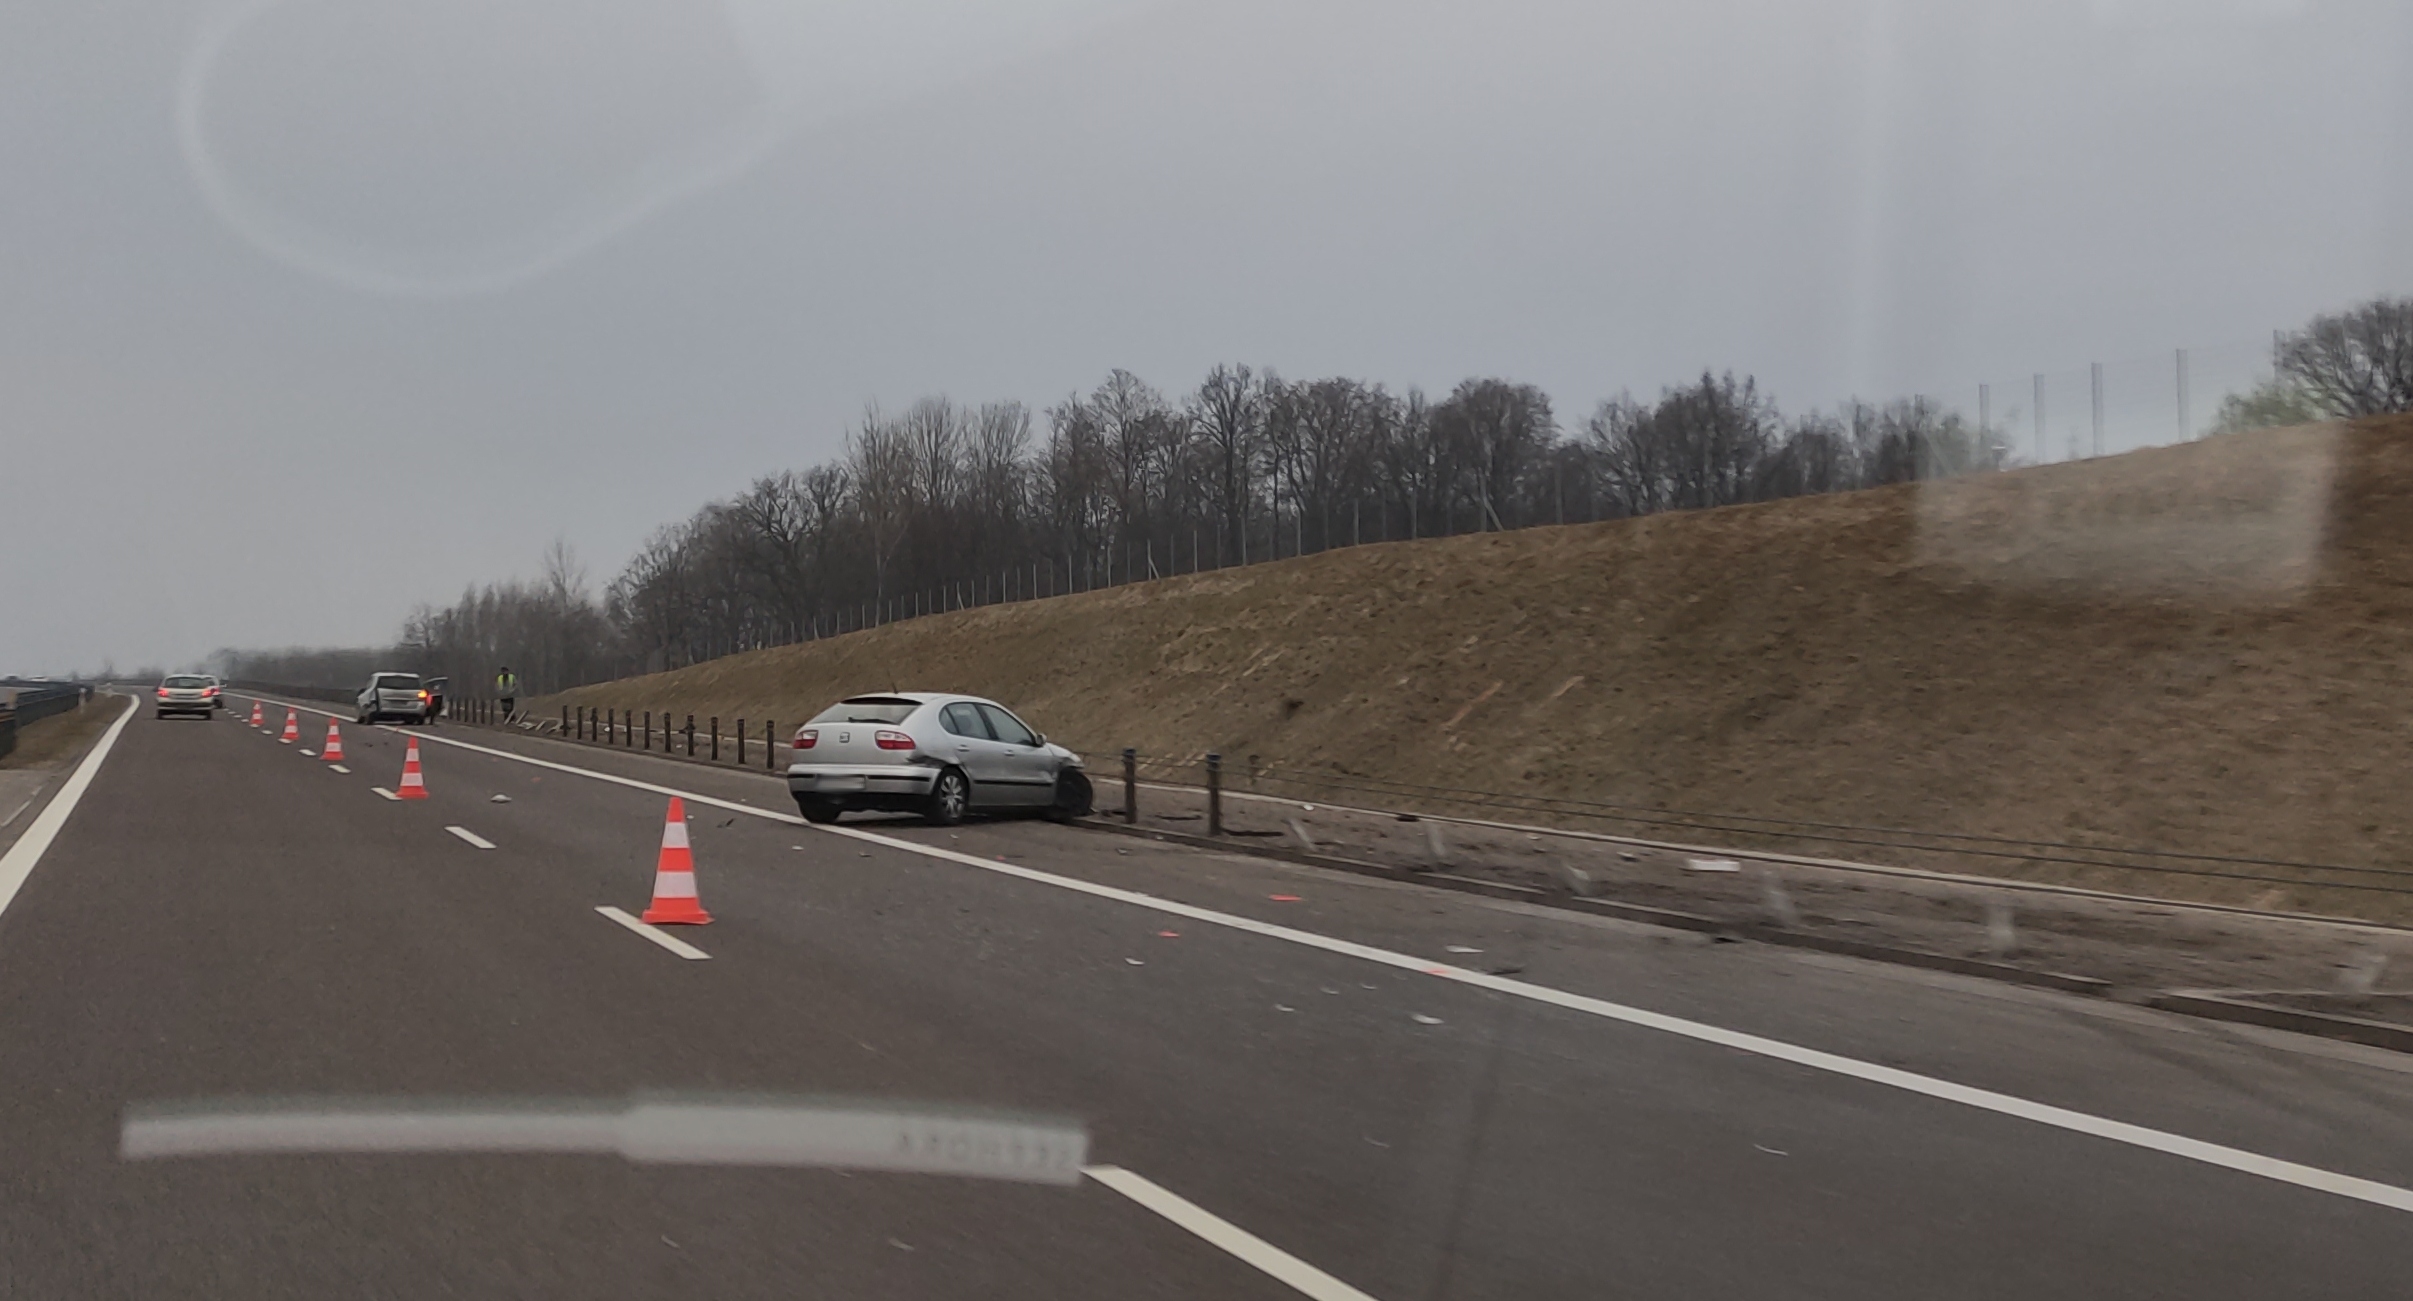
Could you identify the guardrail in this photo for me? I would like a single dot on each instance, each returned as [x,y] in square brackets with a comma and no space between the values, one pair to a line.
[741,744]
[2062,862]
[23,703]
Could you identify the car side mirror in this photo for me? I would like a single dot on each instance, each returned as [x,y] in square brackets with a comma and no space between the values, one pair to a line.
[1042,738]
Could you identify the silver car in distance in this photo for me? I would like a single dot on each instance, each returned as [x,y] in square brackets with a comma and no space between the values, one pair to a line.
[942,756]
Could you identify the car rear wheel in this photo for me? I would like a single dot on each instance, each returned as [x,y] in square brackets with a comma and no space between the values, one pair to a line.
[816,811]
[950,798]
[1073,797]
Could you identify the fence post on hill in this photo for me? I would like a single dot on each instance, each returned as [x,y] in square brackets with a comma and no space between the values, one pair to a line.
[2186,426]
[1214,766]
[2098,386]
[1130,785]
[2039,414]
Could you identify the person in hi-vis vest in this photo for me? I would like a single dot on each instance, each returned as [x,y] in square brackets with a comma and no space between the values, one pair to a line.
[506,689]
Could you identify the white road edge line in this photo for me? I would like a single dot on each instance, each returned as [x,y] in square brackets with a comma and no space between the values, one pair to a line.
[670,942]
[472,837]
[18,863]
[2001,1104]
[386,793]
[1302,1277]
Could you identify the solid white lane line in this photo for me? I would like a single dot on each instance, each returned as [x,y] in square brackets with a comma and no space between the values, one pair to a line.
[337,767]
[1302,1277]
[472,837]
[386,793]
[18,863]
[2003,1104]
[668,941]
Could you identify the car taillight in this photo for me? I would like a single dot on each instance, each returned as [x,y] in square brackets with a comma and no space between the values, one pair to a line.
[807,737]
[163,693]
[887,740]
[423,695]
[209,691]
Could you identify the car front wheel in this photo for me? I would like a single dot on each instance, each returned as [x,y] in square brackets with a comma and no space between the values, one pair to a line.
[1073,797]
[950,799]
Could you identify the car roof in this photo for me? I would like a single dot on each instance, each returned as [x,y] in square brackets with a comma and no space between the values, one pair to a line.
[918,697]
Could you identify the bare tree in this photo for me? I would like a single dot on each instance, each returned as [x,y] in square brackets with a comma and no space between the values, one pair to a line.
[2358,362]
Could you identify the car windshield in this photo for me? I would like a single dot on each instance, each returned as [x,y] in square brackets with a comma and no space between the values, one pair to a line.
[868,709]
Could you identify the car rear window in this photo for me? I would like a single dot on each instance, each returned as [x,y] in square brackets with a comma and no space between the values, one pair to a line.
[187,680]
[868,709]
[397,682]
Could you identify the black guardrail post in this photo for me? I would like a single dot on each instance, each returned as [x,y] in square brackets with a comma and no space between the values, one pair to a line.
[770,745]
[691,736]
[1130,785]
[716,738]
[741,743]
[565,720]
[1214,793]
[649,730]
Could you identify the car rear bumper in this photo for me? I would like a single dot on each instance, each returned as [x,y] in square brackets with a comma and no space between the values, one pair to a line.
[865,785]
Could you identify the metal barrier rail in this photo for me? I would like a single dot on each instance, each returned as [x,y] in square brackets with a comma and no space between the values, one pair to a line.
[24,704]
[1202,771]
[743,745]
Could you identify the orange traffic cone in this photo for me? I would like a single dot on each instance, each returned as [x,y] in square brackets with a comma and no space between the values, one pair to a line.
[414,786]
[674,875]
[333,750]
[293,728]
[255,713]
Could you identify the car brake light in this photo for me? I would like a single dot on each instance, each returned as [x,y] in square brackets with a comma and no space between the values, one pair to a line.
[806,737]
[888,740]
[209,691]
[423,695]
[163,693]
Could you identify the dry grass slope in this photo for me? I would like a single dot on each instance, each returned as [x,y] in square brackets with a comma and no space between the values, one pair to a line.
[2201,647]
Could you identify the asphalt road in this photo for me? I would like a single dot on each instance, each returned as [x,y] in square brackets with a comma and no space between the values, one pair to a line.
[1617,1112]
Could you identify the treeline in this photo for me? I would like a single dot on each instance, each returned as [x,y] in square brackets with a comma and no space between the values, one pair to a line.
[943,505]
[553,633]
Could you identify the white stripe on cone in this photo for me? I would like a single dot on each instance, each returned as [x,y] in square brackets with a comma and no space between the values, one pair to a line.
[674,885]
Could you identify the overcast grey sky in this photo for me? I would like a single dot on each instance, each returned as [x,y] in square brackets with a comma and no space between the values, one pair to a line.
[313,309]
